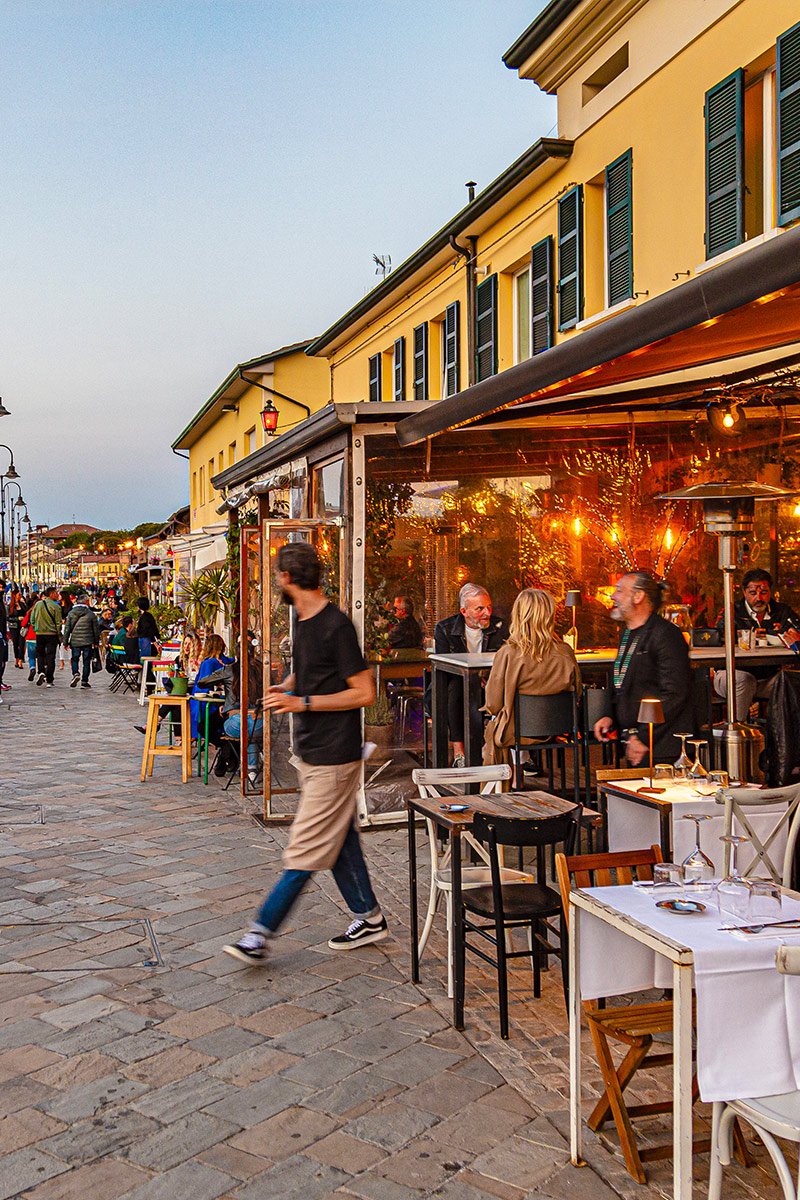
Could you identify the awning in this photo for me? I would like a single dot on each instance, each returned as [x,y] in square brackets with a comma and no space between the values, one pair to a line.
[750,303]
[214,555]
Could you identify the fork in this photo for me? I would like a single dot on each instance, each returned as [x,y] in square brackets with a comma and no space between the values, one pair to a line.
[795,924]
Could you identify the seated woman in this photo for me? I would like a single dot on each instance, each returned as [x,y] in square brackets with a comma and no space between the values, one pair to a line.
[532,662]
[213,659]
[191,656]
[255,718]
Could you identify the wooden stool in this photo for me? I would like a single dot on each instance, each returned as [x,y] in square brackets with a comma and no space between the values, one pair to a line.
[151,749]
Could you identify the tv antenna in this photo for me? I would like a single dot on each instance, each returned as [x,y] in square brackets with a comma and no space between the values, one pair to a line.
[383,264]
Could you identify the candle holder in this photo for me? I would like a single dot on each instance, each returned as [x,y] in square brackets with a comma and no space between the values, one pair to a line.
[651,713]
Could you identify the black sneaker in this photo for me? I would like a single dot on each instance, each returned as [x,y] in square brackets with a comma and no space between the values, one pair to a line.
[360,933]
[252,949]
[40,679]
[75,680]
[86,684]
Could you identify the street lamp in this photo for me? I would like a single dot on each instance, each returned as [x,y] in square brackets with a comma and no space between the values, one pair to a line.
[19,505]
[11,473]
[27,521]
[11,506]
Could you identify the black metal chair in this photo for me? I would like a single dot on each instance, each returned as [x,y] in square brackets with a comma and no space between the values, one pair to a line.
[593,705]
[506,906]
[549,725]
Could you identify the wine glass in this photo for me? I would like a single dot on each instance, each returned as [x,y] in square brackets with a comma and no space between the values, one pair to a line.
[683,763]
[697,866]
[697,770]
[734,892]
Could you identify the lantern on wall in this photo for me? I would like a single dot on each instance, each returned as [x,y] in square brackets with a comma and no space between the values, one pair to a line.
[269,418]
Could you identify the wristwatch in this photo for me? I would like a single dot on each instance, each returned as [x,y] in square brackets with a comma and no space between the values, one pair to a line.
[627,734]
[307,703]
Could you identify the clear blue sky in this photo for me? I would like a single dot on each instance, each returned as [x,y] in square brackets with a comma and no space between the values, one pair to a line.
[187,185]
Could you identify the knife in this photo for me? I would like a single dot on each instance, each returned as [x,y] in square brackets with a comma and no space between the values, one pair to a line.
[792,924]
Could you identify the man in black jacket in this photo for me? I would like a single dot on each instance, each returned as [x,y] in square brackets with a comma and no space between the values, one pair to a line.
[652,663]
[757,610]
[472,630]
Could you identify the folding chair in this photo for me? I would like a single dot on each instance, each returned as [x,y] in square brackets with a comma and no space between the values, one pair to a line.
[736,801]
[127,676]
[634,1026]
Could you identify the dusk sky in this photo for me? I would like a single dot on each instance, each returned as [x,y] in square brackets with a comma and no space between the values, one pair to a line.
[188,185]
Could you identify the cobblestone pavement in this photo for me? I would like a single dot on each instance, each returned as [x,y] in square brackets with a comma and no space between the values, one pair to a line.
[318,1075]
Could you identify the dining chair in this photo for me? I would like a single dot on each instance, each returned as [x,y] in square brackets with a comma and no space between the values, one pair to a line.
[543,723]
[441,781]
[737,802]
[513,904]
[635,1026]
[770,1116]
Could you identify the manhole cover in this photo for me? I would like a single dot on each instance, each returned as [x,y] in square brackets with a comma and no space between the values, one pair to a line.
[28,947]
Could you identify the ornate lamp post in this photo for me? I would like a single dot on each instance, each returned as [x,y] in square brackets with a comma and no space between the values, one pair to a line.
[11,473]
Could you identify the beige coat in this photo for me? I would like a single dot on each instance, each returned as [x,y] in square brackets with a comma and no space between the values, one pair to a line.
[511,672]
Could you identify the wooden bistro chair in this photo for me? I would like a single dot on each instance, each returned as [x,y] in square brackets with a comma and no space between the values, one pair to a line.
[492,912]
[442,781]
[634,1026]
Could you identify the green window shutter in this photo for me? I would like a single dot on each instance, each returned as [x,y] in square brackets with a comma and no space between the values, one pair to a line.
[399,369]
[375,377]
[542,296]
[724,113]
[451,364]
[421,362]
[486,331]
[619,227]
[788,101]
[570,258]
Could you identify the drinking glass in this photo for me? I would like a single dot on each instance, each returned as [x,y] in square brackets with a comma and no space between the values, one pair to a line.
[698,868]
[697,770]
[683,762]
[668,875]
[766,901]
[733,892]
[663,773]
[720,778]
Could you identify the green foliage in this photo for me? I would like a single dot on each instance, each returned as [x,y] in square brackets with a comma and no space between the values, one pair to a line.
[379,713]
[385,502]
[167,616]
[207,596]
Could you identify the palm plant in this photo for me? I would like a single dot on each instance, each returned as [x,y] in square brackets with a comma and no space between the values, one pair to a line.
[207,596]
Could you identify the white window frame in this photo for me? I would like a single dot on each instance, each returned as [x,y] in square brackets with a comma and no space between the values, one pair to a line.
[516,276]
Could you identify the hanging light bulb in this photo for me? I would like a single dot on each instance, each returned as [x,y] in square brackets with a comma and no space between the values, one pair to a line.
[668,539]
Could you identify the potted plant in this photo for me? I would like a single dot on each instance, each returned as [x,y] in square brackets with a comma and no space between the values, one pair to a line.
[379,723]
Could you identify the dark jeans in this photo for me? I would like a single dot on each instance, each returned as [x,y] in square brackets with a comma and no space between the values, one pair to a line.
[46,646]
[86,653]
[352,880]
[455,720]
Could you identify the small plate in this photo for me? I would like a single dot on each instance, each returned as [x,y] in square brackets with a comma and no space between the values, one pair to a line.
[686,907]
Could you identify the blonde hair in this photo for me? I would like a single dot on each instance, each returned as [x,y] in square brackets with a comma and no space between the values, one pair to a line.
[214,647]
[532,619]
[195,649]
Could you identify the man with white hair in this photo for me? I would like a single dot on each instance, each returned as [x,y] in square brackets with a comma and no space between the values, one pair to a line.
[472,630]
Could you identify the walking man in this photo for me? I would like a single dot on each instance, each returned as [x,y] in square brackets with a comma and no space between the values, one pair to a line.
[82,635]
[46,621]
[328,686]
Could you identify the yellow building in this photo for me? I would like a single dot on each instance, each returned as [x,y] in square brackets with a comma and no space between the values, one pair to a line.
[229,429]
[678,147]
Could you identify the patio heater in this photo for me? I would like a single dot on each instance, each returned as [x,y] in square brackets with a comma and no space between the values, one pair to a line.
[729,514]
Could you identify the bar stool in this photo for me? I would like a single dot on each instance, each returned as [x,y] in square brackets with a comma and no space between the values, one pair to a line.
[155,703]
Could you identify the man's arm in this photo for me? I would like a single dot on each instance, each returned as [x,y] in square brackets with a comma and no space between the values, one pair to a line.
[360,692]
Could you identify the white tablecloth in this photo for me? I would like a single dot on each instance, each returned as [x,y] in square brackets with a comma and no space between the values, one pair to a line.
[748,1015]
[633,826]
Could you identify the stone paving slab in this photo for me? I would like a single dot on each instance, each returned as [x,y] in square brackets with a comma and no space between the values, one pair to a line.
[319,1075]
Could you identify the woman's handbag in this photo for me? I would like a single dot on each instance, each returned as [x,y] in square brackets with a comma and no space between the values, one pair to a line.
[96,661]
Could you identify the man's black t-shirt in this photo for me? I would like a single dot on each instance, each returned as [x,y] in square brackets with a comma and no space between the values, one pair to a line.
[326,654]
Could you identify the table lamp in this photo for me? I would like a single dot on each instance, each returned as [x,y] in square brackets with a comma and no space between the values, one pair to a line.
[572,600]
[651,713]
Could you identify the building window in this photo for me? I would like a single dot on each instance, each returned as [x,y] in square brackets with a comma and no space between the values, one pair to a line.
[231,454]
[329,489]
[570,258]
[522,315]
[788,125]
[210,484]
[221,463]
[202,486]
[375,377]
[399,369]
[486,329]
[194,489]
[250,441]
[619,229]
[421,362]
[542,306]
[451,357]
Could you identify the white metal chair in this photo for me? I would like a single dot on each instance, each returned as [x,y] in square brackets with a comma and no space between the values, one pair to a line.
[434,782]
[737,801]
[770,1116]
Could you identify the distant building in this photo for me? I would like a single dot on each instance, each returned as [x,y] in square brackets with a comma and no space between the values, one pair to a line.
[60,533]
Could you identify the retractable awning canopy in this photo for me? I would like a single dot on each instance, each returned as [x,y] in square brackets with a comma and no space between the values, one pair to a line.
[745,306]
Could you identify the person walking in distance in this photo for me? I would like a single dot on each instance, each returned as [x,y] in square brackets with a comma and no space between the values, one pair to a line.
[82,635]
[46,621]
[329,684]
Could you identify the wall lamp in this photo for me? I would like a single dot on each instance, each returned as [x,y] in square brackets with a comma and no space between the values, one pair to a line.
[3,410]
[269,421]
[269,418]
[727,418]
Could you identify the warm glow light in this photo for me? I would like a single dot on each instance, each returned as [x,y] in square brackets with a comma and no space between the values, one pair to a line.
[727,420]
[797,510]
[668,538]
[461,574]
[577,526]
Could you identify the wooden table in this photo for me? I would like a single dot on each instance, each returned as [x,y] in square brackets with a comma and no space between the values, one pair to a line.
[530,805]
[155,702]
